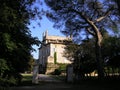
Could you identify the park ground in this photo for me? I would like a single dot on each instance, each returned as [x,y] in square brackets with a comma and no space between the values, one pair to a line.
[49,82]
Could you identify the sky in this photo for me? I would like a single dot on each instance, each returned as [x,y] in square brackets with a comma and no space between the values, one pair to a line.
[45,24]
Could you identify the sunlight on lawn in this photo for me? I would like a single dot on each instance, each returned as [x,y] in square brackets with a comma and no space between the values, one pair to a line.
[26,77]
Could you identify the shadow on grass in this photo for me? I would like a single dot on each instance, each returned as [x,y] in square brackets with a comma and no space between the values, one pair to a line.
[26,80]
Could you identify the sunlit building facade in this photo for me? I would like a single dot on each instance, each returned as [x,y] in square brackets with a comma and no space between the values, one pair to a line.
[52,50]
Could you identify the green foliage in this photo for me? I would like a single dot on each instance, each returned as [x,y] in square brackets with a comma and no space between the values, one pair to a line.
[31,64]
[55,58]
[73,16]
[115,61]
[57,72]
[26,77]
[111,45]
[85,18]
[84,59]
[70,50]
[62,67]
[86,64]
[4,67]
[10,80]
[15,39]
[111,50]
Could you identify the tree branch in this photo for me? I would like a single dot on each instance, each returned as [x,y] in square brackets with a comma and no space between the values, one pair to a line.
[88,29]
[101,18]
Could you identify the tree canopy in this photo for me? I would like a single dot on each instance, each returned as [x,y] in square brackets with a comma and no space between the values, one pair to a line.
[15,37]
[91,17]
[74,15]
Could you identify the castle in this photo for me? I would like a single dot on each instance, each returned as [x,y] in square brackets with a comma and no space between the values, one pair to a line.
[51,52]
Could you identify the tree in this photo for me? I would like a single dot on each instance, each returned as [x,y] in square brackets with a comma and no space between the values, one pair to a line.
[87,59]
[111,49]
[89,16]
[83,60]
[31,64]
[118,4]
[15,38]
[70,51]
[111,53]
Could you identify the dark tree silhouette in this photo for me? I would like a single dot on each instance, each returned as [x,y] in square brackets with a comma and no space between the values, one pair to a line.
[15,38]
[74,17]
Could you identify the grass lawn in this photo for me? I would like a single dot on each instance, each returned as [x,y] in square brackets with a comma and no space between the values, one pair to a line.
[26,77]
[26,80]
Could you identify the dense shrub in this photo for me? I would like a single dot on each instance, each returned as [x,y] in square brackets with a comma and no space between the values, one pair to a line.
[57,72]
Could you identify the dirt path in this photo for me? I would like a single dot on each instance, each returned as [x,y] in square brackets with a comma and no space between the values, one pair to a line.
[48,82]
[48,78]
[64,86]
[44,86]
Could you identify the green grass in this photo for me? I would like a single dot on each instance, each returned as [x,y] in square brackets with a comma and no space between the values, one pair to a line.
[26,77]
[26,80]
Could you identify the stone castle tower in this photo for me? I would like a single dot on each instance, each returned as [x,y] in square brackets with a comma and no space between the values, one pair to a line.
[51,51]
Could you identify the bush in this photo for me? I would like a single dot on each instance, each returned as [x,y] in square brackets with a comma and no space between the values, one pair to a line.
[57,72]
[12,80]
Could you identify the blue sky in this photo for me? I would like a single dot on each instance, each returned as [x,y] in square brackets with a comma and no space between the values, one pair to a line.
[45,24]
[38,31]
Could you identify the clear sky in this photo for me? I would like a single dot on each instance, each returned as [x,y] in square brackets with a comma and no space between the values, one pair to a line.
[38,31]
[45,24]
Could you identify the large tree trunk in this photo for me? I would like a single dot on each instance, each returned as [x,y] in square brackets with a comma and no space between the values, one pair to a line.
[98,36]
[99,59]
